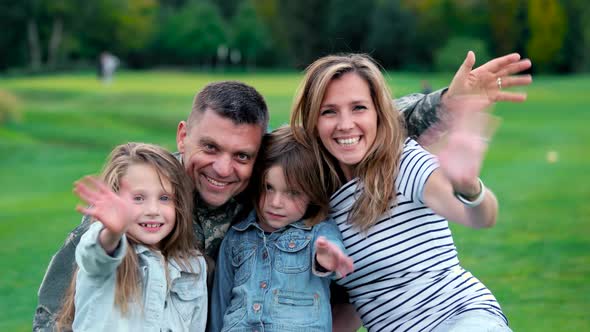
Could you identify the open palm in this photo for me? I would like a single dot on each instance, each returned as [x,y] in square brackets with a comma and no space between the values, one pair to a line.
[461,156]
[483,80]
[115,211]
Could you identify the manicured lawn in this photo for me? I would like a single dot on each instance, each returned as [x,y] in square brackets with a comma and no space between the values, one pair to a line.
[536,260]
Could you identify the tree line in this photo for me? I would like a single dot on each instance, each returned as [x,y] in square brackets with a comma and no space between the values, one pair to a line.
[417,35]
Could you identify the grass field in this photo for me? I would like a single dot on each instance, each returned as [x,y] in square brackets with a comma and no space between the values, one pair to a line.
[536,260]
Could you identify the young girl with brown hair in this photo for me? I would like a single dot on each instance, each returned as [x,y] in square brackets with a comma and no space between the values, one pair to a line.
[274,268]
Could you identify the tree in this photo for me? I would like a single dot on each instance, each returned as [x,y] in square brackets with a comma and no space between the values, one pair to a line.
[348,25]
[547,28]
[575,55]
[193,33]
[305,23]
[391,34]
[249,33]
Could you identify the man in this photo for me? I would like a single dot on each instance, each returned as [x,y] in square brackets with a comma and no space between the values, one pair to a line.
[219,142]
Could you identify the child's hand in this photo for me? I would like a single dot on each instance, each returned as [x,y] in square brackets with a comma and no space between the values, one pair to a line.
[116,212]
[331,258]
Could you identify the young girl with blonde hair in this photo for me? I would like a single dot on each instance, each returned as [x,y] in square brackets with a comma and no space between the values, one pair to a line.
[138,267]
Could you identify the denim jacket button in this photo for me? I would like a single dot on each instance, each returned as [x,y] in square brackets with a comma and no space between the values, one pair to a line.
[291,244]
[256,306]
[263,284]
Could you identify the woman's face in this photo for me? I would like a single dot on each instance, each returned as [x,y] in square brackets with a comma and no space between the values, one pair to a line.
[347,123]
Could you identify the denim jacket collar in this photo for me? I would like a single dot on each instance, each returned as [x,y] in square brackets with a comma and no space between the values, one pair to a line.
[174,268]
[250,221]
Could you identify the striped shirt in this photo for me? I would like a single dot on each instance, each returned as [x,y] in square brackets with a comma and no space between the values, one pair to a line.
[407,275]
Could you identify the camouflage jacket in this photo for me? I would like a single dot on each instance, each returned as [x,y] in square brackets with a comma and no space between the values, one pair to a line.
[210,224]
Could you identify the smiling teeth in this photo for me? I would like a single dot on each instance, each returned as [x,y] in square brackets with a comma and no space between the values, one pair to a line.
[348,141]
[215,183]
[151,225]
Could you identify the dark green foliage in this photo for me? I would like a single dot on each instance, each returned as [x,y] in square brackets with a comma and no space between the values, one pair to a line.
[42,35]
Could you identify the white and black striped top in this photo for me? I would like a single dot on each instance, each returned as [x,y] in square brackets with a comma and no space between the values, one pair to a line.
[407,275]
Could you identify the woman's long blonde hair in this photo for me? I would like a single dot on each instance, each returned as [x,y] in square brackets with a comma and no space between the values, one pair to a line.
[179,245]
[378,169]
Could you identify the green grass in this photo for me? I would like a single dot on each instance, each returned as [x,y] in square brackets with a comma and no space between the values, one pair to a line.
[536,260]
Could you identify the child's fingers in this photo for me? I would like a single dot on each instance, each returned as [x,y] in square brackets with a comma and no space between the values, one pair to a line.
[102,188]
[345,265]
[85,193]
[85,210]
[321,242]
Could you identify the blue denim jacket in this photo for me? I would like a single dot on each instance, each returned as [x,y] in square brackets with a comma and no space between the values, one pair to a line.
[183,307]
[269,282]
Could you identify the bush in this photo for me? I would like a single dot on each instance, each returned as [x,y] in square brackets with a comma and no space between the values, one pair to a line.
[450,57]
[10,107]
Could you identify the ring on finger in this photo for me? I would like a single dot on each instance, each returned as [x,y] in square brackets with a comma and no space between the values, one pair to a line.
[499,83]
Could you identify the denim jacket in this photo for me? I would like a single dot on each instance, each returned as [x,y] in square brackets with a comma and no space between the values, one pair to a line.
[182,308]
[269,282]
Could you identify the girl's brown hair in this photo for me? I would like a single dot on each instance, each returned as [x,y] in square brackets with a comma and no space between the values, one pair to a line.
[179,245]
[379,167]
[300,168]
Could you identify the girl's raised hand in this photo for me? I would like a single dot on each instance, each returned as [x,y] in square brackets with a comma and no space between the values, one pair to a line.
[331,258]
[115,211]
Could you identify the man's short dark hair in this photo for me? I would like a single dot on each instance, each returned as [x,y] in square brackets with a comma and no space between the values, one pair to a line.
[233,100]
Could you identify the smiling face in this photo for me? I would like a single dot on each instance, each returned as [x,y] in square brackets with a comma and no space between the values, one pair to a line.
[154,195]
[218,155]
[347,123]
[280,205]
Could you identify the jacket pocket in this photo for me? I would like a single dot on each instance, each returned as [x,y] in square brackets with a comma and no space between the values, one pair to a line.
[299,308]
[235,313]
[185,295]
[242,261]
[293,254]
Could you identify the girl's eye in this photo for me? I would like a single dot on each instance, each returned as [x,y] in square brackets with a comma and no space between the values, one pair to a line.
[327,112]
[268,187]
[293,193]
[165,198]
[137,198]
[360,107]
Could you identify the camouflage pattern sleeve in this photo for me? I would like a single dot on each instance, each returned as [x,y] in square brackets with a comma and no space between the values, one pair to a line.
[421,111]
[57,279]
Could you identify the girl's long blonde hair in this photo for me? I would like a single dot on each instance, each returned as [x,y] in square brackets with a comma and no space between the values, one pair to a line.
[179,245]
[379,167]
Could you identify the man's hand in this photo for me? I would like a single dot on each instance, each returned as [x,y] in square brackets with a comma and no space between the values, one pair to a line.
[483,80]
[331,258]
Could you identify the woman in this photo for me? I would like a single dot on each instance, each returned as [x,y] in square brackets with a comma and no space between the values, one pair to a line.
[392,200]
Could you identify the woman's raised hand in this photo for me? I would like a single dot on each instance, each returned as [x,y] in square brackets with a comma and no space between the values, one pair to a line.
[461,155]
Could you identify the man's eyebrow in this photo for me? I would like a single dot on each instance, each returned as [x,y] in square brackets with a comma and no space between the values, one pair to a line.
[207,140]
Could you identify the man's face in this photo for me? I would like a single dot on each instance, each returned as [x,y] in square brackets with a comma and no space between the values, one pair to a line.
[218,155]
